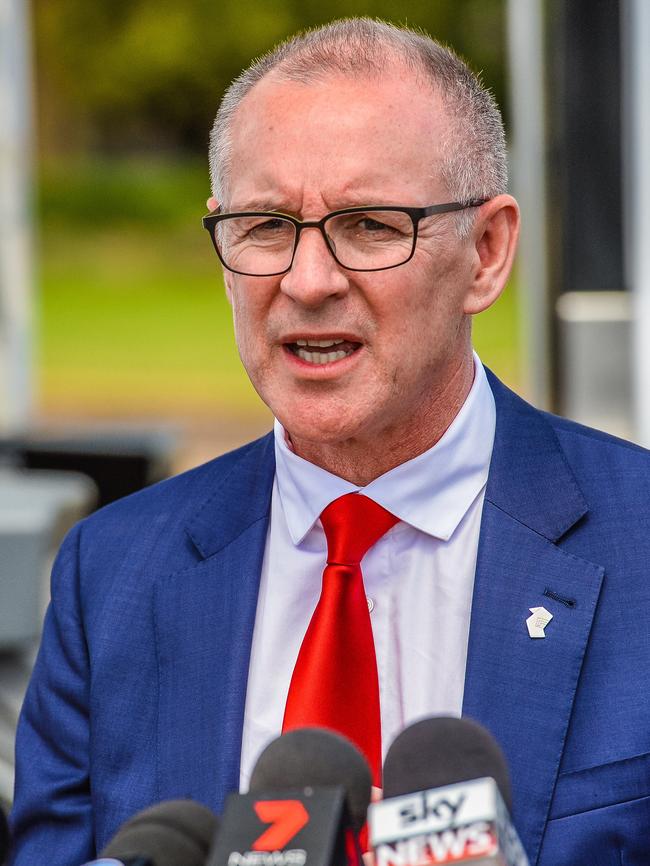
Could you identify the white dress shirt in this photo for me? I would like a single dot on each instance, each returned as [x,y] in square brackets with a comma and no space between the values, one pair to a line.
[419,577]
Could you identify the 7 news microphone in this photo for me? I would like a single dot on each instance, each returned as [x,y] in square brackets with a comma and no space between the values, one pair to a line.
[446,799]
[308,800]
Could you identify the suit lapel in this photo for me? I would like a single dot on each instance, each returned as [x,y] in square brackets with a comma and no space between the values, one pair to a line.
[522,689]
[204,618]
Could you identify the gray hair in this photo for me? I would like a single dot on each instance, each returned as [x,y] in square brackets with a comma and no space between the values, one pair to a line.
[474,156]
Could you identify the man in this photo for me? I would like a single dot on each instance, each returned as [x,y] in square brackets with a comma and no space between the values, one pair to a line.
[361,215]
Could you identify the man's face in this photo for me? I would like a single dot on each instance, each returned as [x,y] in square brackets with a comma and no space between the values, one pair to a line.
[307,150]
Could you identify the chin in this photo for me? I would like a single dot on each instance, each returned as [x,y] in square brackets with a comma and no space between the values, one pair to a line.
[320,429]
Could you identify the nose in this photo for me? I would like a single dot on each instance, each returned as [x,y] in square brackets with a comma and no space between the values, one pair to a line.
[315,274]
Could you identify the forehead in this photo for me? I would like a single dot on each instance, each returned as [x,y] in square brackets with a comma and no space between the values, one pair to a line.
[346,140]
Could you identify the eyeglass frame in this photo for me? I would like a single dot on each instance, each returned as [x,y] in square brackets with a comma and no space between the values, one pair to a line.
[211,220]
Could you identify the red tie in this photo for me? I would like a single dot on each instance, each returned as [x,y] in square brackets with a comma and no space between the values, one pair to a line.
[334,683]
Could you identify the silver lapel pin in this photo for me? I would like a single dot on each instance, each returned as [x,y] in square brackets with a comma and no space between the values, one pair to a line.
[537,621]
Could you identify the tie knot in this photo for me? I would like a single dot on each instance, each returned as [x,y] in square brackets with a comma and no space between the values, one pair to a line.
[352,524]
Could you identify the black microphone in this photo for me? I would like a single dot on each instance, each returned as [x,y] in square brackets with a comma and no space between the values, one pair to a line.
[171,833]
[447,799]
[307,801]
[4,838]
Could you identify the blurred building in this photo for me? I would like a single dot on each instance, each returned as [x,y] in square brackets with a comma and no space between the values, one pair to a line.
[580,79]
[15,215]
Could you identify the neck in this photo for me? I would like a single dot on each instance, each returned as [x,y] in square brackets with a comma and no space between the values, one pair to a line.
[362,459]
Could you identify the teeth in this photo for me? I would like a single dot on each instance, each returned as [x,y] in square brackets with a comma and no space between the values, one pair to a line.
[321,344]
[305,350]
[322,357]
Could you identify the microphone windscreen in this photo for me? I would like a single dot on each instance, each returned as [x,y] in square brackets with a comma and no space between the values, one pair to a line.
[4,837]
[167,834]
[442,751]
[315,757]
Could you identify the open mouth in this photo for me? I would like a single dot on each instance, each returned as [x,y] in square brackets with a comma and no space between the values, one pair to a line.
[324,351]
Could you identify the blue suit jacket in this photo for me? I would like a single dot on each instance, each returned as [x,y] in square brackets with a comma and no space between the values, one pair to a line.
[139,688]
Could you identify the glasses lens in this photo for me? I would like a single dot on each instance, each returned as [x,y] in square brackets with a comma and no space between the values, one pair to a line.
[256,245]
[372,239]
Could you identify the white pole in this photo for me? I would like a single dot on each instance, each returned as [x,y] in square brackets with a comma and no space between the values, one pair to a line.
[636,130]
[15,217]
[528,158]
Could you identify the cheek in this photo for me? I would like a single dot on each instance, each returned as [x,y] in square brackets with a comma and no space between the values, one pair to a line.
[241,322]
[426,320]
[440,294]
[247,336]
[250,322]
[227,278]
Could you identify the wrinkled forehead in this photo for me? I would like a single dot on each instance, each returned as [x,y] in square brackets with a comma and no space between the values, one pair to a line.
[372,94]
[371,131]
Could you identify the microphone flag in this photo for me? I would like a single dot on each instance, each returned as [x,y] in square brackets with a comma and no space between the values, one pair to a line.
[298,827]
[463,823]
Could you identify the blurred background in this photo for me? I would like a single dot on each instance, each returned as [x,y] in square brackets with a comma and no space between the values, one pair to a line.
[130,318]
[117,360]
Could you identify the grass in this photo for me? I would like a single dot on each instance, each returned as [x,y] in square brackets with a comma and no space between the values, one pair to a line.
[132,317]
[135,322]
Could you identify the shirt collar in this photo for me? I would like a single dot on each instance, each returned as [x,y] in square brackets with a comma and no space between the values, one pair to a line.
[432,492]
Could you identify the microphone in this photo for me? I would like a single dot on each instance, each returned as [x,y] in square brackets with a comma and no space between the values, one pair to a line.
[4,837]
[171,833]
[307,801]
[447,799]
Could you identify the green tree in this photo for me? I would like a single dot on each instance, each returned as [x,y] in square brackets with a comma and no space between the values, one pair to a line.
[115,76]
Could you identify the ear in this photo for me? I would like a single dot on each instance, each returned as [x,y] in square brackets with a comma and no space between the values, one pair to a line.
[212,204]
[494,241]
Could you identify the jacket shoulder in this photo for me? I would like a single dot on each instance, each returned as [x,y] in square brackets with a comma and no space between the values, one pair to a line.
[146,532]
[590,437]
[606,466]
[586,450]
[186,490]
[559,476]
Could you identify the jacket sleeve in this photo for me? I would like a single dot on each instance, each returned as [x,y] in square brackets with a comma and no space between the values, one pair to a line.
[52,815]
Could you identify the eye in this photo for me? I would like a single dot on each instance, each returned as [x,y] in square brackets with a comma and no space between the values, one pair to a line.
[269,228]
[369,224]
[377,226]
[373,226]
[260,230]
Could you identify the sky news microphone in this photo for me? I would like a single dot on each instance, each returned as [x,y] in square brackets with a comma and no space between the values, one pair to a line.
[171,833]
[446,799]
[308,799]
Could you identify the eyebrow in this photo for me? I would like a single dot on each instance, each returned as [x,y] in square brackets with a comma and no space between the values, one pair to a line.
[350,199]
[268,206]
[261,205]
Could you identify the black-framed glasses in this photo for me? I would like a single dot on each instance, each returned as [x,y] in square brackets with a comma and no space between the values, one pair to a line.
[263,243]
